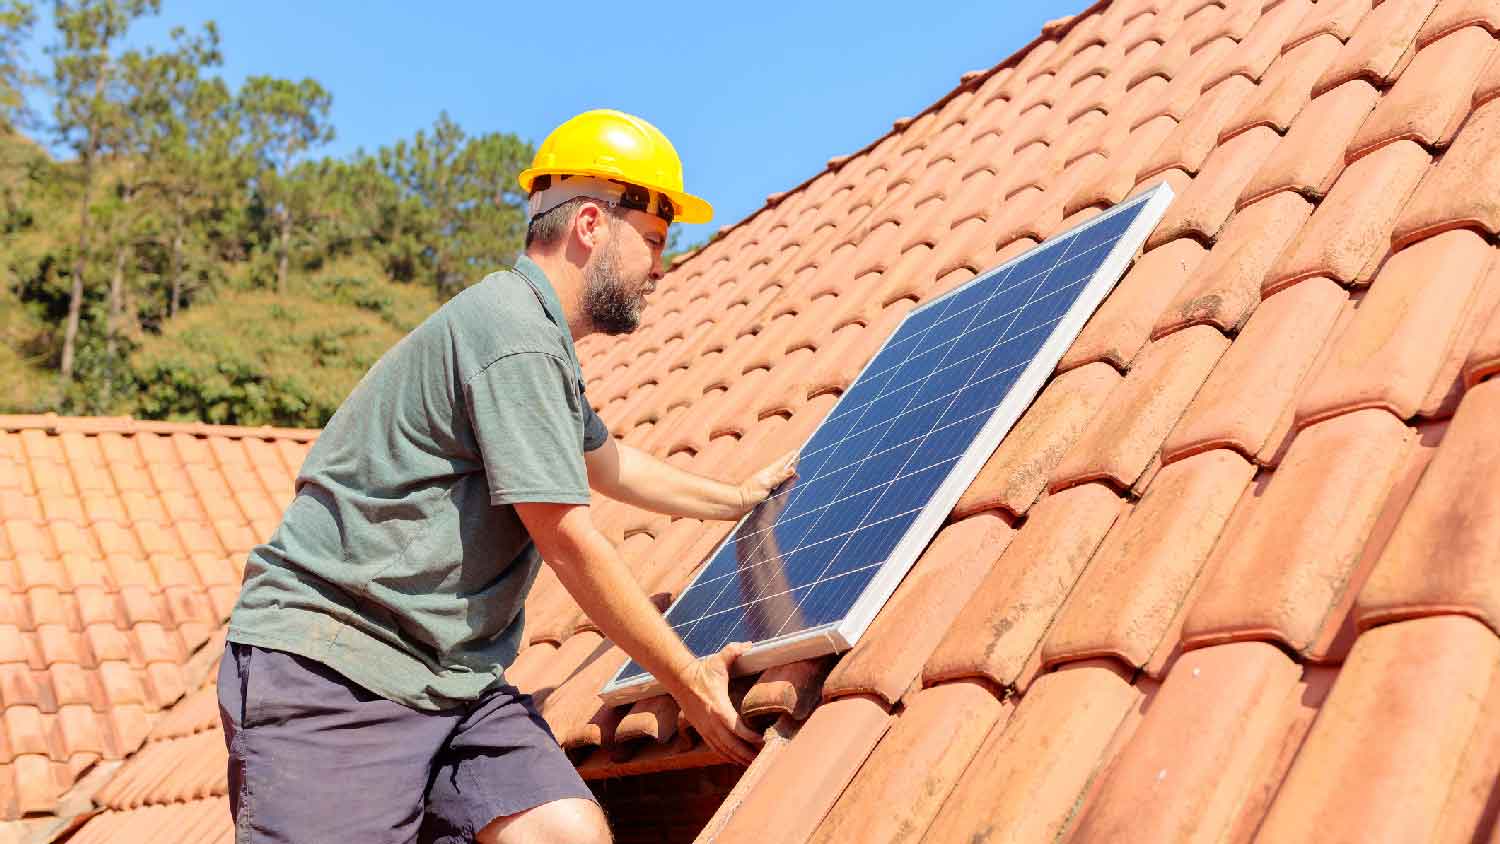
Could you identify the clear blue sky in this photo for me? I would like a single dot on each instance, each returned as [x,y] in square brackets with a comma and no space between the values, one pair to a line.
[756,97]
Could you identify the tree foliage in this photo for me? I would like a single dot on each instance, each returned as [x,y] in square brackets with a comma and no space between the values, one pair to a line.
[197,256]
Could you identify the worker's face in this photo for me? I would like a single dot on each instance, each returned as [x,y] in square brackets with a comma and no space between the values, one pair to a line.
[623,270]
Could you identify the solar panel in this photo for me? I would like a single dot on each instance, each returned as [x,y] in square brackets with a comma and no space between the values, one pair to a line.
[805,573]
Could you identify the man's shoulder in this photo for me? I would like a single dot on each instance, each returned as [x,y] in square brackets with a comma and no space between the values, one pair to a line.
[499,316]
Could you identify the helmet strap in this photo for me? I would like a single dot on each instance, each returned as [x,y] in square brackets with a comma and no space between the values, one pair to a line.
[551,191]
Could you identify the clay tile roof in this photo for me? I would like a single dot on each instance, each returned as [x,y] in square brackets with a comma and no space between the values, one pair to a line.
[1236,563]
[122,544]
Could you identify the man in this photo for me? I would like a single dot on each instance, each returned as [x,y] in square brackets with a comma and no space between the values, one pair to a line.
[362,688]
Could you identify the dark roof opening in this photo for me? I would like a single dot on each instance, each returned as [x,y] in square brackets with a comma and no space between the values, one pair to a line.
[666,808]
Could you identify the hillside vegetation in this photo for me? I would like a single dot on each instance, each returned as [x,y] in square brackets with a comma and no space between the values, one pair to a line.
[189,254]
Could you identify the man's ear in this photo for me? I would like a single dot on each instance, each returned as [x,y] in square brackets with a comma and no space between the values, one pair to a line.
[589,225]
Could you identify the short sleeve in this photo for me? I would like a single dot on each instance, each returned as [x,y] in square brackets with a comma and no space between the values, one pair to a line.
[595,432]
[529,421]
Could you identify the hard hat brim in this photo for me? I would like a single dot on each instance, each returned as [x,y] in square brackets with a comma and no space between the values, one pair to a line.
[690,208]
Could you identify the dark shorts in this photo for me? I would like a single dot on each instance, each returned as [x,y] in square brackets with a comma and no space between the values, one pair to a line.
[315,758]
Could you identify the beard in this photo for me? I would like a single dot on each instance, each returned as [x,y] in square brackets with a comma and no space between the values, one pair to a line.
[611,305]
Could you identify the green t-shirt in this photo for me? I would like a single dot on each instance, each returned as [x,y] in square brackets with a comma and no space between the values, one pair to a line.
[401,562]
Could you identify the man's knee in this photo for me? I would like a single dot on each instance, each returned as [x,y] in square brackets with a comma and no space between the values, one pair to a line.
[570,821]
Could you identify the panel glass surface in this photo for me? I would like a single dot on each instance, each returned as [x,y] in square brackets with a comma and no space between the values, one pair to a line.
[803,558]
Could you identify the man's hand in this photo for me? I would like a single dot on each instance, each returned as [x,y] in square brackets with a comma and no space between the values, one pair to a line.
[592,572]
[705,703]
[758,487]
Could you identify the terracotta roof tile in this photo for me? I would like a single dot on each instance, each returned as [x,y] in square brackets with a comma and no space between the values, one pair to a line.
[1248,397]
[1129,599]
[1397,729]
[1293,552]
[915,767]
[1286,87]
[1392,353]
[1311,156]
[1204,757]
[1225,289]
[807,777]
[1452,15]
[1338,18]
[1109,185]
[996,636]
[1017,472]
[1202,209]
[1265,41]
[792,690]
[654,718]
[1449,519]
[1125,435]
[1462,190]
[1431,99]
[890,655]
[1026,780]
[1349,234]
[1122,325]
[1484,358]
[1189,145]
[1380,46]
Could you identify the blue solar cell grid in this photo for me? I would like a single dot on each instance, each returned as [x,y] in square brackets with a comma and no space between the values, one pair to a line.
[802,559]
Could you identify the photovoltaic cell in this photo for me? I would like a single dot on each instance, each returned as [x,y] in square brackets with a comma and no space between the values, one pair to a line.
[805,572]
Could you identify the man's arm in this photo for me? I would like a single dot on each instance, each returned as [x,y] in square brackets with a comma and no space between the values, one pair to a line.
[596,577]
[630,475]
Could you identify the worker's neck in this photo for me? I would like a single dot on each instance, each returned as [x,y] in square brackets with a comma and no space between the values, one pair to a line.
[565,273]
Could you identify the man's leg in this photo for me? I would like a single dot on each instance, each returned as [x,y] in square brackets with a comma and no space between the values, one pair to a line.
[502,778]
[568,821]
[314,757]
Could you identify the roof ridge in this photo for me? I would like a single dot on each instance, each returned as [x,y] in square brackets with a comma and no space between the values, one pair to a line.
[1052,30]
[52,423]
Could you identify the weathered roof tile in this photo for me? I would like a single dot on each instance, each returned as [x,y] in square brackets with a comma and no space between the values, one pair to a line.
[1395,731]
[1463,190]
[915,766]
[1453,15]
[1440,558]
[1226,288]
[1205,752]
[1252,388]
[997,634]
[1202,209]
[810,773]
[1393,351]
[1124,436]
[1016,474]
[1431,99]
[1027,778]
[1311,156]
[1125,603]
[1379,46]
[1293,551]
[890,655]
[1349,234]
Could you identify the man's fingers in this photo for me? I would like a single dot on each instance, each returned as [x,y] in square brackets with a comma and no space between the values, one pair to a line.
[733,747]
[746,732]
[732,652]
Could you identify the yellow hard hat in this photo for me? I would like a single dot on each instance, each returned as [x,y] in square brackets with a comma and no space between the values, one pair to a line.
[611,144]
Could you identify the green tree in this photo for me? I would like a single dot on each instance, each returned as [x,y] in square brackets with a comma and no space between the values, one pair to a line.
[16,20]
[457,213]
[284,120]
[86,114]
[189,151]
